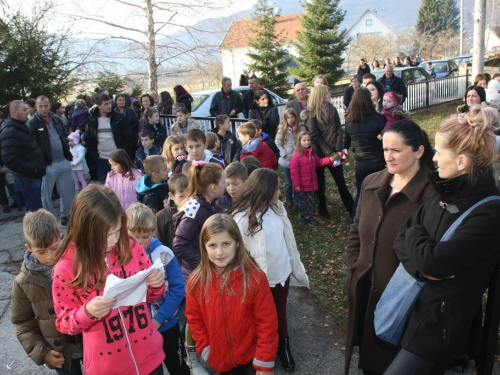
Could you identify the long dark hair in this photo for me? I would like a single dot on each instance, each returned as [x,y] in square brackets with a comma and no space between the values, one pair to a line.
[380,90]
[414,136]
[480,92]
[121,157]
[361,107]
[128,103]
[180,90]
[259,190]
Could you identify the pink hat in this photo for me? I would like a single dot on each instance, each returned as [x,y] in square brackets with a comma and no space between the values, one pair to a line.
[75,137]
[391,96]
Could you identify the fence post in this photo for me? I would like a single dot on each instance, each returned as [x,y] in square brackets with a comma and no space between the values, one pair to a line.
[490,328]
[427,94]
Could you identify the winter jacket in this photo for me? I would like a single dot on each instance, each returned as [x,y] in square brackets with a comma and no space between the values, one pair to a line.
[177,130]
[159,132]
[249,99]
[362,71]
[78,152]
[79,119]
[132,119]
[108,348]
[166,108]
[229,332]
[140,156]
[440,322]
[178,166]
[223,104]
[187,223]
[20,151]
[230,146]
[303,169]
[184,99]
[151,194]
[256,245]
[348,93]
[370,255]
[122,134]
[272,145]
[326,139]
[269,117]
[391,116]
[33,314]
[164,310]
[165,226]
[225,202]
[39,130]
[296,105]
[124,186]
[261,151]
[397,85]
[286,145]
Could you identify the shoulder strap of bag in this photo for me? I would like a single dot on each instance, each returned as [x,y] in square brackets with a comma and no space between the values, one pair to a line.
[457,222]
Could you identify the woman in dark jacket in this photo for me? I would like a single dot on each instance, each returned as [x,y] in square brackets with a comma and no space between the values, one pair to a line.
[388,197]
[456,272]
[165,107]
[264,111]
[123,104]
[349,91]
[473,95]
[363,125]
[323,122]
[377,94]
[183,97]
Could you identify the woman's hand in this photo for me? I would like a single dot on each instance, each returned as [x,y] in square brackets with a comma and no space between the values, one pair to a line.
[98,307]
[156,279]
[434,279]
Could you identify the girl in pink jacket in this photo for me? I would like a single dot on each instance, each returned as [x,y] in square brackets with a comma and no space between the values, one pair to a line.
[119,340]
[303,172]
[123,178]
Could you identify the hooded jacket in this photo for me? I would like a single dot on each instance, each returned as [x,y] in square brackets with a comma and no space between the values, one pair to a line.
[303,169]
[125,341]
[261,151]
[286,145]
[176,127]
[124,186]
[151,194]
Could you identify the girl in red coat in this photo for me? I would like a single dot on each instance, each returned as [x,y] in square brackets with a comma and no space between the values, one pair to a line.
[229,306]
[303,172]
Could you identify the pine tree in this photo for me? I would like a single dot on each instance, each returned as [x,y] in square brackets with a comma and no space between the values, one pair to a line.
[268,55]
[450,16]
[321,43]
[438,15]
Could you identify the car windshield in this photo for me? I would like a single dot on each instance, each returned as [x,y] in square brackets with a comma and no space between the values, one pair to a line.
[440,67]
[198,99]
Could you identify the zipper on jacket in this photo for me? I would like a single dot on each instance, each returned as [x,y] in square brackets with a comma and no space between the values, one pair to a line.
[443,313]
[128,341]
[227,329]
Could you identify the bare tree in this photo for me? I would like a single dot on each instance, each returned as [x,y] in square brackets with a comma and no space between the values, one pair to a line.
[373,47]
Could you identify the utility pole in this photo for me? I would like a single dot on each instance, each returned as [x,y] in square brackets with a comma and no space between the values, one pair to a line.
[479,27]
[461,27]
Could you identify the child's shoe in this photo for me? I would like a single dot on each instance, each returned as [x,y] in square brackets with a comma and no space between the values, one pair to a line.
[193,361]
[302,220]
[311,221]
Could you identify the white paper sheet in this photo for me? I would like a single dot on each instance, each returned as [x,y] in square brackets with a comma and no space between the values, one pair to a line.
[130,291]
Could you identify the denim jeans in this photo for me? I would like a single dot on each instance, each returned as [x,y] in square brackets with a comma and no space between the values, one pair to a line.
[32,192]
[76,368]
[103,168]
[291,196]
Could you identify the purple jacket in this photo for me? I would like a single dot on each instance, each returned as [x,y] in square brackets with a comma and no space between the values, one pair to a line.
[79,119]
[124,187]
[187,223]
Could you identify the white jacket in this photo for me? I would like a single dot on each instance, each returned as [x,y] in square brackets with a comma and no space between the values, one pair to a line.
[256,245]
[286,146]
[78,151]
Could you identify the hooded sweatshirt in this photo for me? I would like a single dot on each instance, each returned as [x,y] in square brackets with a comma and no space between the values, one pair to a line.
[151,194]
[261,151]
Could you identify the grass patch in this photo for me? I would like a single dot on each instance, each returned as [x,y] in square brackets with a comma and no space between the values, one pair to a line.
[323,247]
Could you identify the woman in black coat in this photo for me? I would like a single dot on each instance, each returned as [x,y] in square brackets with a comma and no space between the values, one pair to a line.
[264,111]
[456,271]
[166,103]
[123,104]
[183,97]
[349,91]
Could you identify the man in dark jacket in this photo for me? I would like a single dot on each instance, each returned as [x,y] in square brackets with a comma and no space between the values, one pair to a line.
[105,132]
[22,155]
[226,101]
[47,130]
[300,103]
[248,99]
[390,82]
[363,68]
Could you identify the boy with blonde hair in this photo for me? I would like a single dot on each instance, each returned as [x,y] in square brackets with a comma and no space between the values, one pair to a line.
[32,306]
[141,223]
[253,145]
[152,188]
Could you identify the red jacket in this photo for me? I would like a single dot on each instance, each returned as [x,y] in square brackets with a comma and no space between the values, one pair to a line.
[303,169]
[229,332]
[117,343]
[263,153]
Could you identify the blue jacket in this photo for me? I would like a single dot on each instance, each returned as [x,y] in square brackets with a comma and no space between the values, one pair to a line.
[159,131]
[164,310]
[151,194]
[140,156]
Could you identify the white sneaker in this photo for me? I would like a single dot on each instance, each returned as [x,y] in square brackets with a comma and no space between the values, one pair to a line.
[193,361]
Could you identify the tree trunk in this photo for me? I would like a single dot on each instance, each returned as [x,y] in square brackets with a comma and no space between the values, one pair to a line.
[151,53]
[479,26]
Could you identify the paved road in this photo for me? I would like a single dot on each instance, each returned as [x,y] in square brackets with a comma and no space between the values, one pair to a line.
[316,344]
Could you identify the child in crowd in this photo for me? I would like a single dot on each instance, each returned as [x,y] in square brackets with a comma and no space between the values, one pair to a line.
[177,106]
[152,123]
[392,110]
[152,188]
[264,137]
[195,145]
[116,341]
[303,166]
[236,175]
[303,119]
[174,150]
[285,140]
[141,224]
[268,236]
[212,145]
[229,280]
[79,117]
[177,187]
[123,177]
[184,122]
[147,148]
[230,147]
[136,106]
[78,152]
[32,306]
[252,163]
[247,134]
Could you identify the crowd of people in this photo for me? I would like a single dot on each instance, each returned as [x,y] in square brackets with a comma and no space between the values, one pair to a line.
[205,209]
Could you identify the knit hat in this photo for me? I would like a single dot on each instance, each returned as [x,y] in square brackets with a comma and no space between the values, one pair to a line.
[75,137]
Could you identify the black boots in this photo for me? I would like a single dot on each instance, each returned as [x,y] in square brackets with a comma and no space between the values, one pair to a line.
[285,355]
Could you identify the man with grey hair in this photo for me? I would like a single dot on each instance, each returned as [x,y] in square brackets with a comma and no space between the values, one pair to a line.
[226,101]
[300,103]
[22,155]
[48,131]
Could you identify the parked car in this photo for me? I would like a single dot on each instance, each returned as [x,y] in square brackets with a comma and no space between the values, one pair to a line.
[414,74]
[443,68]
[463,59]
[203,100]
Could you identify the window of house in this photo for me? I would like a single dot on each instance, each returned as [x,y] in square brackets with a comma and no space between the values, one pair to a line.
[368,22]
